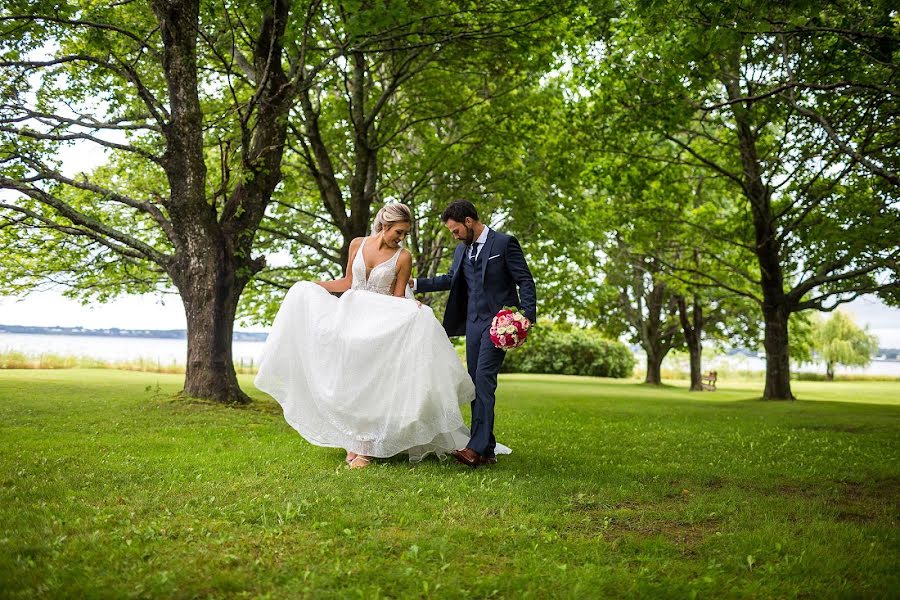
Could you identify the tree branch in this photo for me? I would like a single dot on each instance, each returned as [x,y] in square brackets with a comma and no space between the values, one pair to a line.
[125,72]
[50,224]
[144,206]
[68,137]
[306,240]
[86,221]
[892,177]
[91,24]
[825,277]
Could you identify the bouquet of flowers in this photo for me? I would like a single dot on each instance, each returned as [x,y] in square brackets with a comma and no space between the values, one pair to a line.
[509,329]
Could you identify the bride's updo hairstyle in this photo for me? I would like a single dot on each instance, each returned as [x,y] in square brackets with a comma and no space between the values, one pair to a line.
[390,214]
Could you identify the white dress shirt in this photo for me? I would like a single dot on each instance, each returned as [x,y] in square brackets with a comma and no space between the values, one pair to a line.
[481,240]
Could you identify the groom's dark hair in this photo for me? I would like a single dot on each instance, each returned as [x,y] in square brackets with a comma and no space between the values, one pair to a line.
[458,211]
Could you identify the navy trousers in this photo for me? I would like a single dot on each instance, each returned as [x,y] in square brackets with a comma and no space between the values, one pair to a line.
[483,361]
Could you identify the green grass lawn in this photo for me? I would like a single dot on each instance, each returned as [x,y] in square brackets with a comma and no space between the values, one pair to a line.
[109,488]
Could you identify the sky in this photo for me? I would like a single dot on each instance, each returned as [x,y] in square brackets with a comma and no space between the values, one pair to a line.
[48,309]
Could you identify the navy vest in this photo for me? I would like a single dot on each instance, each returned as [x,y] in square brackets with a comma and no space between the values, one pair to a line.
[478,304]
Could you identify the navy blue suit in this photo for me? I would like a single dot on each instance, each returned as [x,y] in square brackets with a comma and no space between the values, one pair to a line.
[477,291]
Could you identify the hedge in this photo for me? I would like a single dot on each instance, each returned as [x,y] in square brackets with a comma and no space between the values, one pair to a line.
[562,350]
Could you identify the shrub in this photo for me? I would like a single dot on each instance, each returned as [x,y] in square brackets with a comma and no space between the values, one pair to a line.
[561,350]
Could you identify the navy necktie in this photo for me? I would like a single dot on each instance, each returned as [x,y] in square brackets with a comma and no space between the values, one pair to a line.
[474,252]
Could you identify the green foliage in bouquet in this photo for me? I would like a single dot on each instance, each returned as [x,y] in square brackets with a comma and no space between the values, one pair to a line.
[558,349]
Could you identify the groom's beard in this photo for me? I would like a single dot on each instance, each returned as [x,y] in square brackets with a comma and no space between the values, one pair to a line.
[470,235]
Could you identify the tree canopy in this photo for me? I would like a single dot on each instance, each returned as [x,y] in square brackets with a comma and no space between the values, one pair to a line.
[839,341]
[675,172]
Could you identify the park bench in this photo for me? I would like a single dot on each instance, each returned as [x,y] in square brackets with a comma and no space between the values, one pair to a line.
[709,381]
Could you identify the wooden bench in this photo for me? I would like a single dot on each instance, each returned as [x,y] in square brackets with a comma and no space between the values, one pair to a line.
[709,381]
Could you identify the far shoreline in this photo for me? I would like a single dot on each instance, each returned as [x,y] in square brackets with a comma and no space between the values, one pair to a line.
[117,332]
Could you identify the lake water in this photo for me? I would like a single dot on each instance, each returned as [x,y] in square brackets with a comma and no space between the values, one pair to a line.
[739,362]
[166,352]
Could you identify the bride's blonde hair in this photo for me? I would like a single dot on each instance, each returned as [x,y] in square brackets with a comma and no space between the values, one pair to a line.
[390,214]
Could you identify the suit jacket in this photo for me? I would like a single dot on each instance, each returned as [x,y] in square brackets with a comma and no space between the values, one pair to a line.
[503,269]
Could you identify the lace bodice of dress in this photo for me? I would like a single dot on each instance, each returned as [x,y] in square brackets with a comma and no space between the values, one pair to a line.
[381,277]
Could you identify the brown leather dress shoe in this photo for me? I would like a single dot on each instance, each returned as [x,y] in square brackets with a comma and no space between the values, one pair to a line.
[468,457]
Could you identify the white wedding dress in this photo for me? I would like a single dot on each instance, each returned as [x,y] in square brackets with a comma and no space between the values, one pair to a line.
[368,372]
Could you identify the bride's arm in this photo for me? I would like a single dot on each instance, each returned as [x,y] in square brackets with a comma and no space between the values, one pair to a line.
[404,270]
[343,284]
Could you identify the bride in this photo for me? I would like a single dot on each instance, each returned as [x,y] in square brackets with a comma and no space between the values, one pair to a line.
[371,372]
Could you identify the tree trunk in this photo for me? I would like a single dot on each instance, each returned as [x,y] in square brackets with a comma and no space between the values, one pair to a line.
[768,248]
[353,230]
[210,370]
[213,260]
[829,371]
[210,293]
[655,328]
[654,366]
[778,367]
[692,338]
[775,317]
[695,351]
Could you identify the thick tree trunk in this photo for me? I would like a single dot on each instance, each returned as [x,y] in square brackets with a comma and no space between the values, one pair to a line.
[829,371]
[352,232]
[210,368]
[364,177]
[210,293]
[692,338]
[649,313]
[775,317]
[323,173]
[213,260]
[695,352]
[778,367]
[767,247]
[654,366]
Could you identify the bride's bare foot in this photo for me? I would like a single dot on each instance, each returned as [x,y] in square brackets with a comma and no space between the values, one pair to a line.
[360,462]
[350,457]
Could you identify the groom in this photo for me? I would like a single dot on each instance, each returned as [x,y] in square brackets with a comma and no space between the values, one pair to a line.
[487,268]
